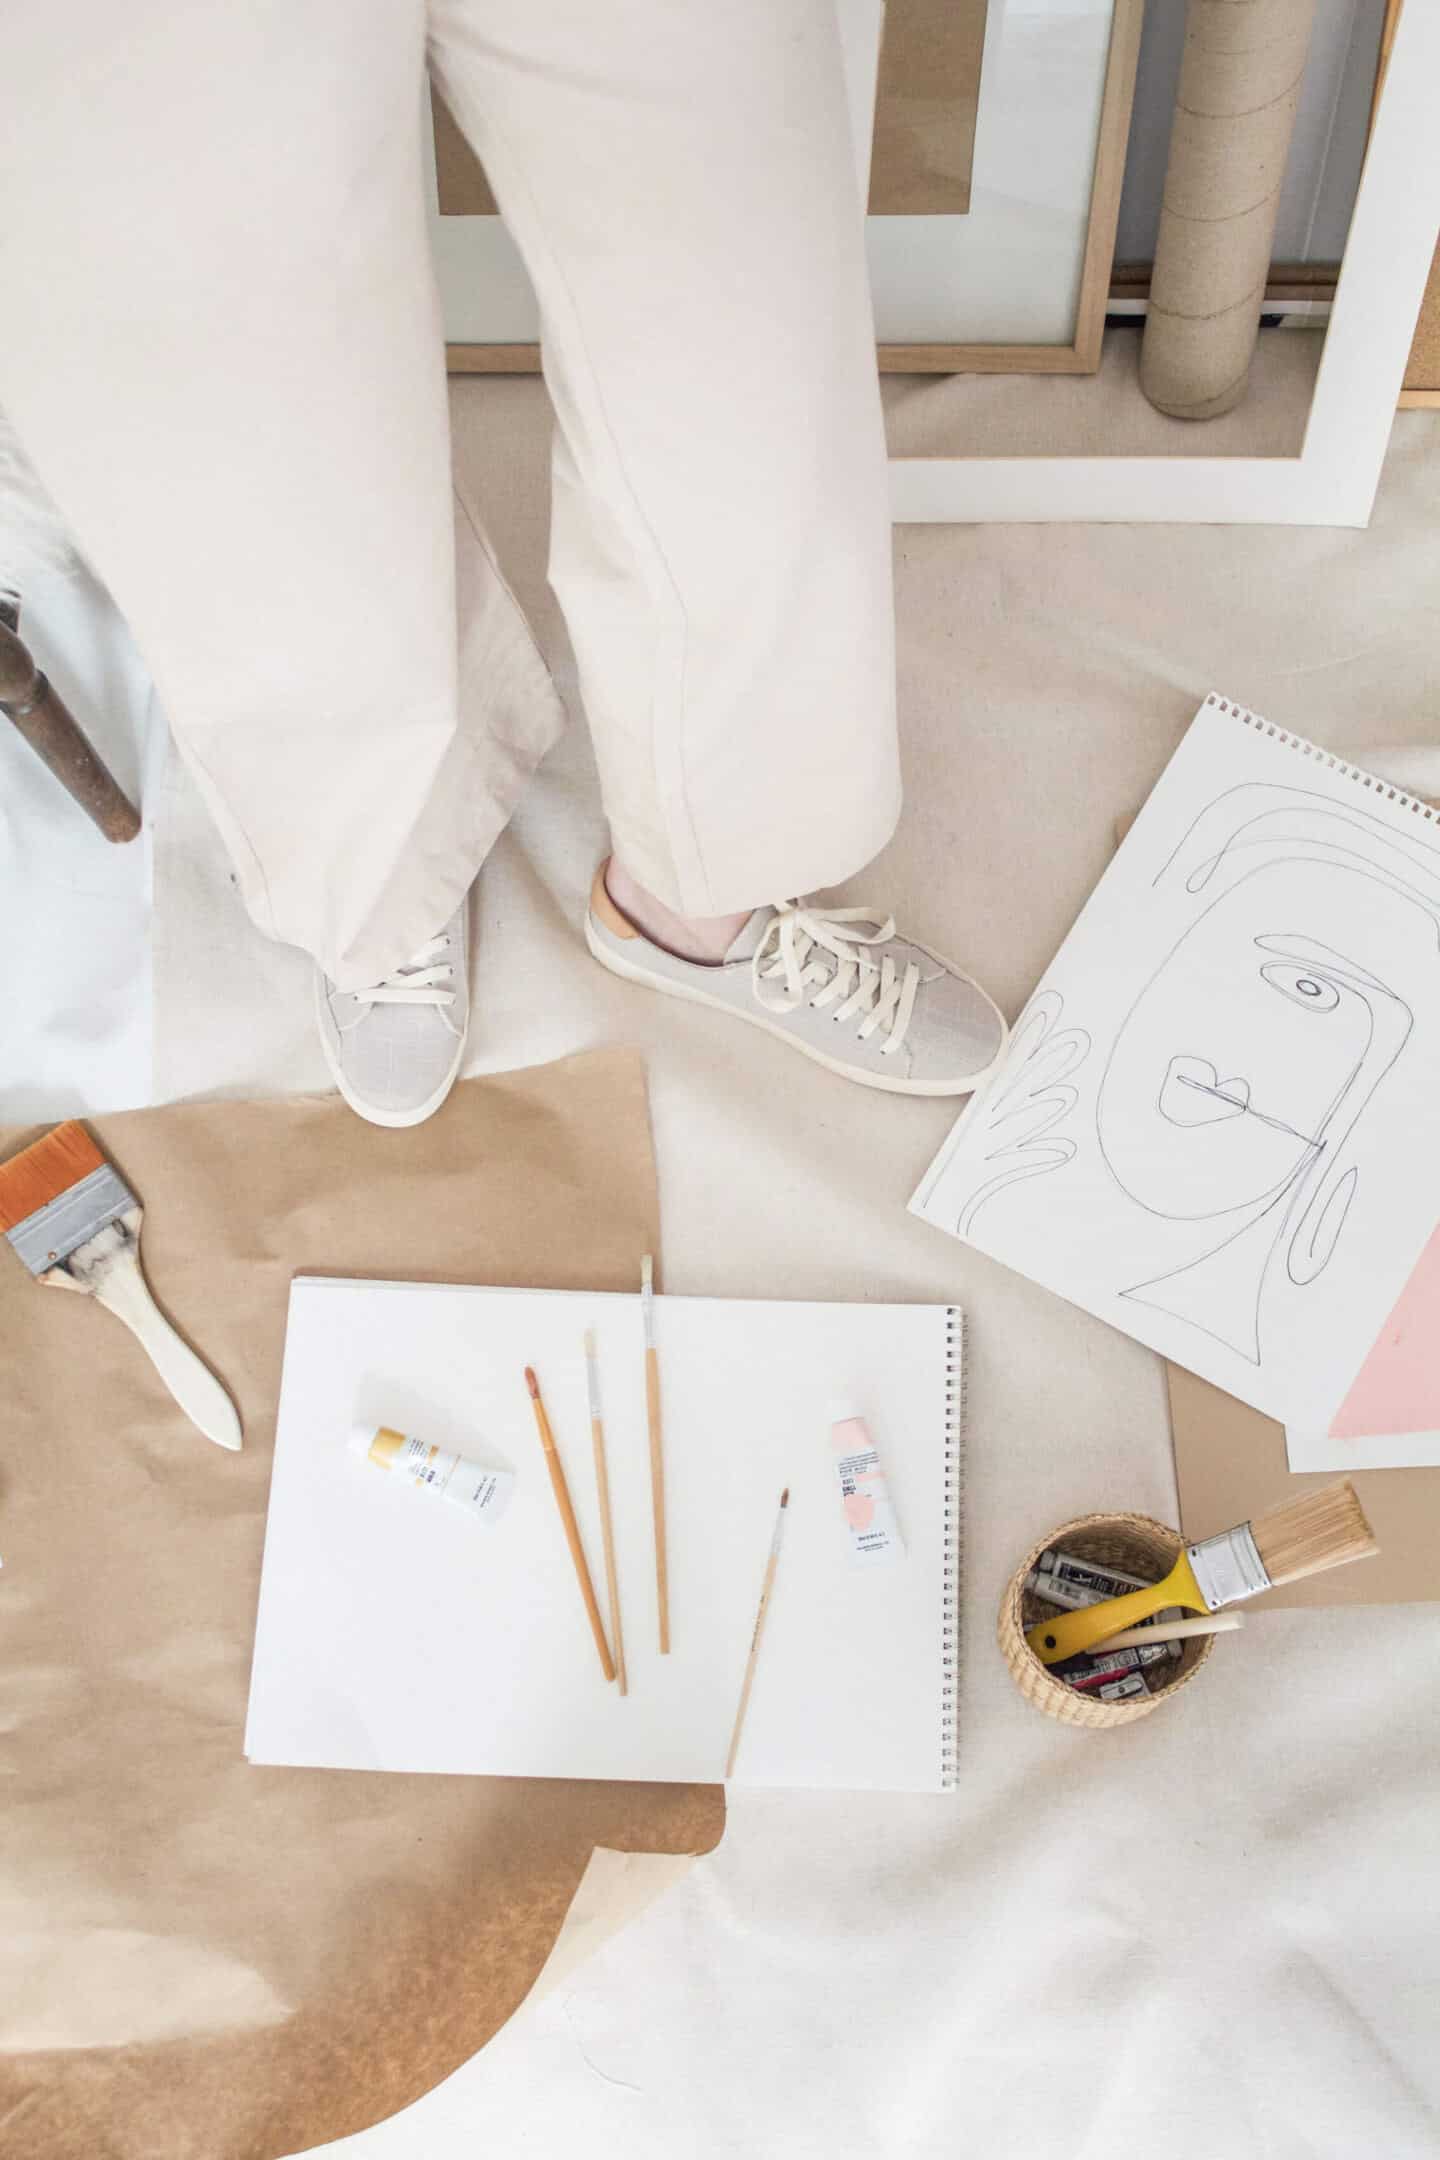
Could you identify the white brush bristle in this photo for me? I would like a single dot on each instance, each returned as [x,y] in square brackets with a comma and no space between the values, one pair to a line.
[1322,1529]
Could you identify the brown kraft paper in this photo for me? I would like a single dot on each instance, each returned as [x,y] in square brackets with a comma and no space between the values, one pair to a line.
[1230,1465]
[204,1960]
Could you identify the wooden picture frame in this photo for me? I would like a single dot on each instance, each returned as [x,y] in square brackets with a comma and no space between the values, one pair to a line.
[1333,479]
[1422,373]
[1080,355]
[1421,387]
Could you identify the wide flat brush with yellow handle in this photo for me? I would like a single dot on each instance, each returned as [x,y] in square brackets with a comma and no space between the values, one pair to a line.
[75,1223]
[1322,1529]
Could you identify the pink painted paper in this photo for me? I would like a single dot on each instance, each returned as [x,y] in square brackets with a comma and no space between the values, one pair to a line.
[1397,1389]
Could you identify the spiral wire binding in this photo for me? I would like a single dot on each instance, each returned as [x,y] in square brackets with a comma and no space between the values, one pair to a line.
[1381,789]
[951,1564]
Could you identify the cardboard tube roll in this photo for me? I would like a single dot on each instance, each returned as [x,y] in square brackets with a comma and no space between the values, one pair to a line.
[1235,107]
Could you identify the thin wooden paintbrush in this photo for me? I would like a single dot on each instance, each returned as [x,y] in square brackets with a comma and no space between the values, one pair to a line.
[657,1450]
[766,1587]
[1162,1631]
[1320,1530]
[567,1517]
[607,1527]
[76,1225]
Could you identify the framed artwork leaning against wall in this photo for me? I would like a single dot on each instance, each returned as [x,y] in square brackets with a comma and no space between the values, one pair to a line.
[990,147]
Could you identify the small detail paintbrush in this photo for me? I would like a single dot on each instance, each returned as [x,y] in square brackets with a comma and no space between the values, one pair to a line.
[657,1450]
[76,1225]
[1162,1631]
[766,1586]
[607,1527]
[1320,1530]
[567,1517]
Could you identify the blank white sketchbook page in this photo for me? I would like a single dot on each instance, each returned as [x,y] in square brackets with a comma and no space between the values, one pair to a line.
[1217,1124]
[395,1633]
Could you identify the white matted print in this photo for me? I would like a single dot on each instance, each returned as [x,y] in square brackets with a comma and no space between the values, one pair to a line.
[1217,1124]
[1367,345]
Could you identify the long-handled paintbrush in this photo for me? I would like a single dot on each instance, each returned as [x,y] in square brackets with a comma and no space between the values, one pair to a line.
[657,1450]
[1320,1530]
[76,1225]
[607,1526]
[563,1501]
[766,1586]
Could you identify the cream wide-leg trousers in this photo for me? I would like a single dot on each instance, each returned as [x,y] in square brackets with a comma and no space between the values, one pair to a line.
[222,349]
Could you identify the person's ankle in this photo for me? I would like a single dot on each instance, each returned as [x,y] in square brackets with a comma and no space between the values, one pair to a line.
[703,938]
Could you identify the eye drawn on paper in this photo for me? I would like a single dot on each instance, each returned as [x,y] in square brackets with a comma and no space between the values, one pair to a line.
[1020,1134]
[1237,1083]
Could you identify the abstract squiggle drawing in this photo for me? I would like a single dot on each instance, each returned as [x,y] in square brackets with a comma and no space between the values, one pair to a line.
[1020,1118]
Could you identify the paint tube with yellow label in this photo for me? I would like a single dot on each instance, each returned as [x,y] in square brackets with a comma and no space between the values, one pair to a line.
[484,1493]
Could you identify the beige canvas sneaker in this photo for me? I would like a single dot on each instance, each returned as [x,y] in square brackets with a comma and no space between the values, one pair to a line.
[837,984]
[395,1048]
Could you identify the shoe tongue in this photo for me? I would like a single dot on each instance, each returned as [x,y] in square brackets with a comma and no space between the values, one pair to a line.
[747,943]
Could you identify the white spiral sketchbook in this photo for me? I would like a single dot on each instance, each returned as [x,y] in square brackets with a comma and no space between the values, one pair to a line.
[1217,1124]
[396,1633]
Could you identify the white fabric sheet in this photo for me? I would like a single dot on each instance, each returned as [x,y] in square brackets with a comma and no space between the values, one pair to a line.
[74,907]
[1213,1933]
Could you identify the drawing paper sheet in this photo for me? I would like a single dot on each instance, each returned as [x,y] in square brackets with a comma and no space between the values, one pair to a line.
[395,1633]
[1218,1121]
[1307,1449]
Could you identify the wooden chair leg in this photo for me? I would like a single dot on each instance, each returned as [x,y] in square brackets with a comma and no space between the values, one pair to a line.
[56,737]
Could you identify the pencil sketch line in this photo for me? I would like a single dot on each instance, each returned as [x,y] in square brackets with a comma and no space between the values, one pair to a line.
[1247,1109]
[1033,1099]
[1304,803]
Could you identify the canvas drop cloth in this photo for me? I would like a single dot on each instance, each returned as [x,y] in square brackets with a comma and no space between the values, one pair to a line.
[1215,1932]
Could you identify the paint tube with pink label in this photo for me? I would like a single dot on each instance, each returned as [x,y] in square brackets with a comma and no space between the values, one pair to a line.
[874,1532]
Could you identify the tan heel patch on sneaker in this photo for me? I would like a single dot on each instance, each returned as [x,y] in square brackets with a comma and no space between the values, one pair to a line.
[603,908]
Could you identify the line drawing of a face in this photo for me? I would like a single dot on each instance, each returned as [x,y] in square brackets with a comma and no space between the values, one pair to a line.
[1227,1106]
[1243,1066]
[1218,1101]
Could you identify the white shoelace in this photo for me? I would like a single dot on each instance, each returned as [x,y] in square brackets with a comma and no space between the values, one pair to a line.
[815,949]
[423,980]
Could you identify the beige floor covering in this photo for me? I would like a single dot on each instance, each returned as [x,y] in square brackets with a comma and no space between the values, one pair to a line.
[1216,1929]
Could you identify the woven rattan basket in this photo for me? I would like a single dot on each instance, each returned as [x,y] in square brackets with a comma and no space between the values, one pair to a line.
[1139,1546]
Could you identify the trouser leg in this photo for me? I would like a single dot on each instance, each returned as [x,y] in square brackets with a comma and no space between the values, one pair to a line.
[223,353]
[679,177]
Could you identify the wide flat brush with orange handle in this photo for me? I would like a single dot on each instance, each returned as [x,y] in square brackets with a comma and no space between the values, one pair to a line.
[76,1225]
